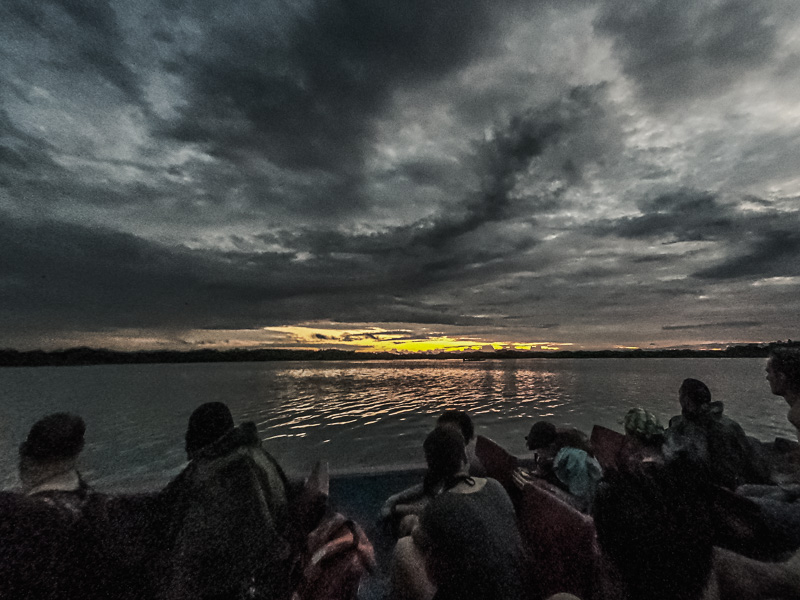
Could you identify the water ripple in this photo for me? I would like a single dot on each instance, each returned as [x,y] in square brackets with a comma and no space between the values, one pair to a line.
[356,414]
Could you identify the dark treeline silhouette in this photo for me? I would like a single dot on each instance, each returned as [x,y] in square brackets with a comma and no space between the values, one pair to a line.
[94,356]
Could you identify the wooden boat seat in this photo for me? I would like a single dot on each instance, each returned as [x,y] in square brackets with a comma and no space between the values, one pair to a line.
[606,444]
[497,461]
[561,542]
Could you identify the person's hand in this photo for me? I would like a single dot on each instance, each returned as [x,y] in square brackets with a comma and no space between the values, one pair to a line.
[522,477]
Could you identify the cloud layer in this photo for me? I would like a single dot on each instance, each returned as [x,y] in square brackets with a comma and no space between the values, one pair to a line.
[587,173]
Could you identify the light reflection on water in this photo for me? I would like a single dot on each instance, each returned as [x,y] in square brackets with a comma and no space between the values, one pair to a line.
[356,415]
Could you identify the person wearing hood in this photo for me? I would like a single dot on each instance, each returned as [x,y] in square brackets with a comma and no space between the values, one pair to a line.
[712,440]
[229,529]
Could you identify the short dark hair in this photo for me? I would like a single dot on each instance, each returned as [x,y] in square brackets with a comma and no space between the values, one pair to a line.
[542,433]
[697,391]
[654,525]
[444,453]
[56,436]
[208,423]
[460,418]
[786,360]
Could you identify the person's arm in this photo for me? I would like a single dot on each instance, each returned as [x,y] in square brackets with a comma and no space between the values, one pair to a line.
[407,496]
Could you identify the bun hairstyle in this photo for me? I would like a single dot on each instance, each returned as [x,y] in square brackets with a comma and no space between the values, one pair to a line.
[461,420]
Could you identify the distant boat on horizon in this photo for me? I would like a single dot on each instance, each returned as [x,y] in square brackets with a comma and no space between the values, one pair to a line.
[473,359]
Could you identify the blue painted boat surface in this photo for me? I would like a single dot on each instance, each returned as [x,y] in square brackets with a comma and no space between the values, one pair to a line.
[360,496]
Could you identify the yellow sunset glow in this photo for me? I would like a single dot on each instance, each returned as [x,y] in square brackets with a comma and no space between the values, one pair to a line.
[377,339]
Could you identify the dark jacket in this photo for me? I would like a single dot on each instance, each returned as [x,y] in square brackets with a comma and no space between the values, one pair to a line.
[55,545]
[33,543]
[228,527]
[718,444]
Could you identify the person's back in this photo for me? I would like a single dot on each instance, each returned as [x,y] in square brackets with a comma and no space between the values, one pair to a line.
[58,523]
[655,532]
[478,548]
[33,544]
[229,529]
[468,533]
[704,435]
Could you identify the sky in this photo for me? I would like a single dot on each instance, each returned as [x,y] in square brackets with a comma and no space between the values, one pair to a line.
[399,175]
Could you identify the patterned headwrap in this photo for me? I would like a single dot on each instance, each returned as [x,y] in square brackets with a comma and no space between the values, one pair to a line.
[643,424]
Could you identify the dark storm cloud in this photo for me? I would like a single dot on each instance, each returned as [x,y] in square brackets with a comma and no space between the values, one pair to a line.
[727,324]
[80,277]
[453,245]
[75,276]
[774,253]
[307,99]
[101,41]
[755,243]
[61,276]
[24,159]
[674,50]
[91,39]
[509,153]
[680,215]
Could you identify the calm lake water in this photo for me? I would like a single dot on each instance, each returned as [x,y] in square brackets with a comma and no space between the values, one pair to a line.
[357,415]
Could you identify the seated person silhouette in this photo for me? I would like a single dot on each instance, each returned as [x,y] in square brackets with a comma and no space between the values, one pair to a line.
[783,375]
[39,553]
[402,509]
[655,528]
[229,532]
[713,441]
[655,535]
[644,439]
[564,458]
[48,462]
[467,544]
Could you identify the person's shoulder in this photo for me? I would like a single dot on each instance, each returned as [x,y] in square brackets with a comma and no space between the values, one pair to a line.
[675,421]
[495,488]
[731,426]
[572,436]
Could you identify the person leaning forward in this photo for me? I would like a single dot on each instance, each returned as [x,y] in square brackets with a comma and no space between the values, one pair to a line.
[229,529]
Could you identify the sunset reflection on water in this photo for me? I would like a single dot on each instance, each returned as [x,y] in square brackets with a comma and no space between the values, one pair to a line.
[358,415]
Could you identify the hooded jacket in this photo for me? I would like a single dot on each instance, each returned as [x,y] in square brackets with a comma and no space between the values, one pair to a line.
[228,526]
[716,442]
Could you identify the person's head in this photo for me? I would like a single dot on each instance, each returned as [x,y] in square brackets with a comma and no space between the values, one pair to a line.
[654,525]
[444,454]
[693,395]
[53,444]
[542,434]
[783,370]
[208,423]
[460,419]
[644,426]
